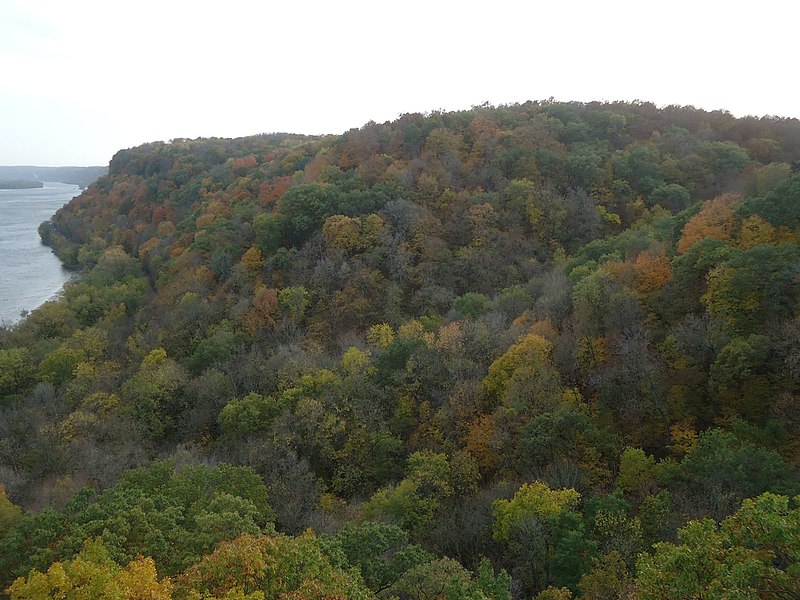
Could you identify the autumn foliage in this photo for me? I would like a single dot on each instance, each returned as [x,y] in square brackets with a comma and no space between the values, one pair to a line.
[542,350]
[715,220]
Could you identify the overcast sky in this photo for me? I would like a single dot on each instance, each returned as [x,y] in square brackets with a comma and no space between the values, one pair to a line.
[80,79]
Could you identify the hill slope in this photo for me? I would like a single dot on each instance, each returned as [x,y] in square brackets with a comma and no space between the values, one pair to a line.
[546,334]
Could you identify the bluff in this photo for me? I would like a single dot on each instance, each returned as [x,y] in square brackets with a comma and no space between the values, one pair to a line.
[538,339]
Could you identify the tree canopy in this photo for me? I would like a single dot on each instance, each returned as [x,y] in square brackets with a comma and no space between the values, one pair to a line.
[538,350]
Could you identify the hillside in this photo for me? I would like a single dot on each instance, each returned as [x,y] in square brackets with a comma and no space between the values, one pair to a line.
[537,350]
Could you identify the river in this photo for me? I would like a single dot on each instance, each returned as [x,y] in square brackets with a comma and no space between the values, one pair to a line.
[30,274]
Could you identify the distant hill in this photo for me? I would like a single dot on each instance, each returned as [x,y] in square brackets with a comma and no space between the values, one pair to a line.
[82,176]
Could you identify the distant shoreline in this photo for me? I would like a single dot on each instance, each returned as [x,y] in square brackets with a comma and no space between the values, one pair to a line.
[20,184]
[80,176]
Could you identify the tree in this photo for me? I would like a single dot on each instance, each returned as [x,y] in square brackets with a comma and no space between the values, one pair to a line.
[545,535]
[738,377]
[754,230]
[446,579]
[639,167]
[690,271]
[380,335]
[342,233]
[608,578]
[264,311]
[672,196]
[293,302]
[554,438]
[93,574]
[611,524]
[753,288]
[779,206]
[531,500]
[724,156]
[637,471]
[248,414]
[381,552]
[16,371]
[723,470]
[652,273]
[9,512]
[278,566]
[554,593]
[154,393]
[431,479]
[471,304]
[253,259]
[304,208]
[481,444]
[524,376]
[214,349]
[715,220]
[59,365]
[173,517]
[751,554]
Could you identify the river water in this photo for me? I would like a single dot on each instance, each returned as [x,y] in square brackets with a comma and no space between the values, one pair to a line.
[30,274]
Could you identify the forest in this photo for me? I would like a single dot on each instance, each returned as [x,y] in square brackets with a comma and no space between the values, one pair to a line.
[544,350]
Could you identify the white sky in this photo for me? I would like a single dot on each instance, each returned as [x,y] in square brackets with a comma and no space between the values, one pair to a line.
[80,79]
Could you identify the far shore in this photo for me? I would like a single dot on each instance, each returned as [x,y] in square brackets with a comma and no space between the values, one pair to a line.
[20,184]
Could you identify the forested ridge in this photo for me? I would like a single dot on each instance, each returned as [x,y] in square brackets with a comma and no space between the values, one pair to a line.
[547,350]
